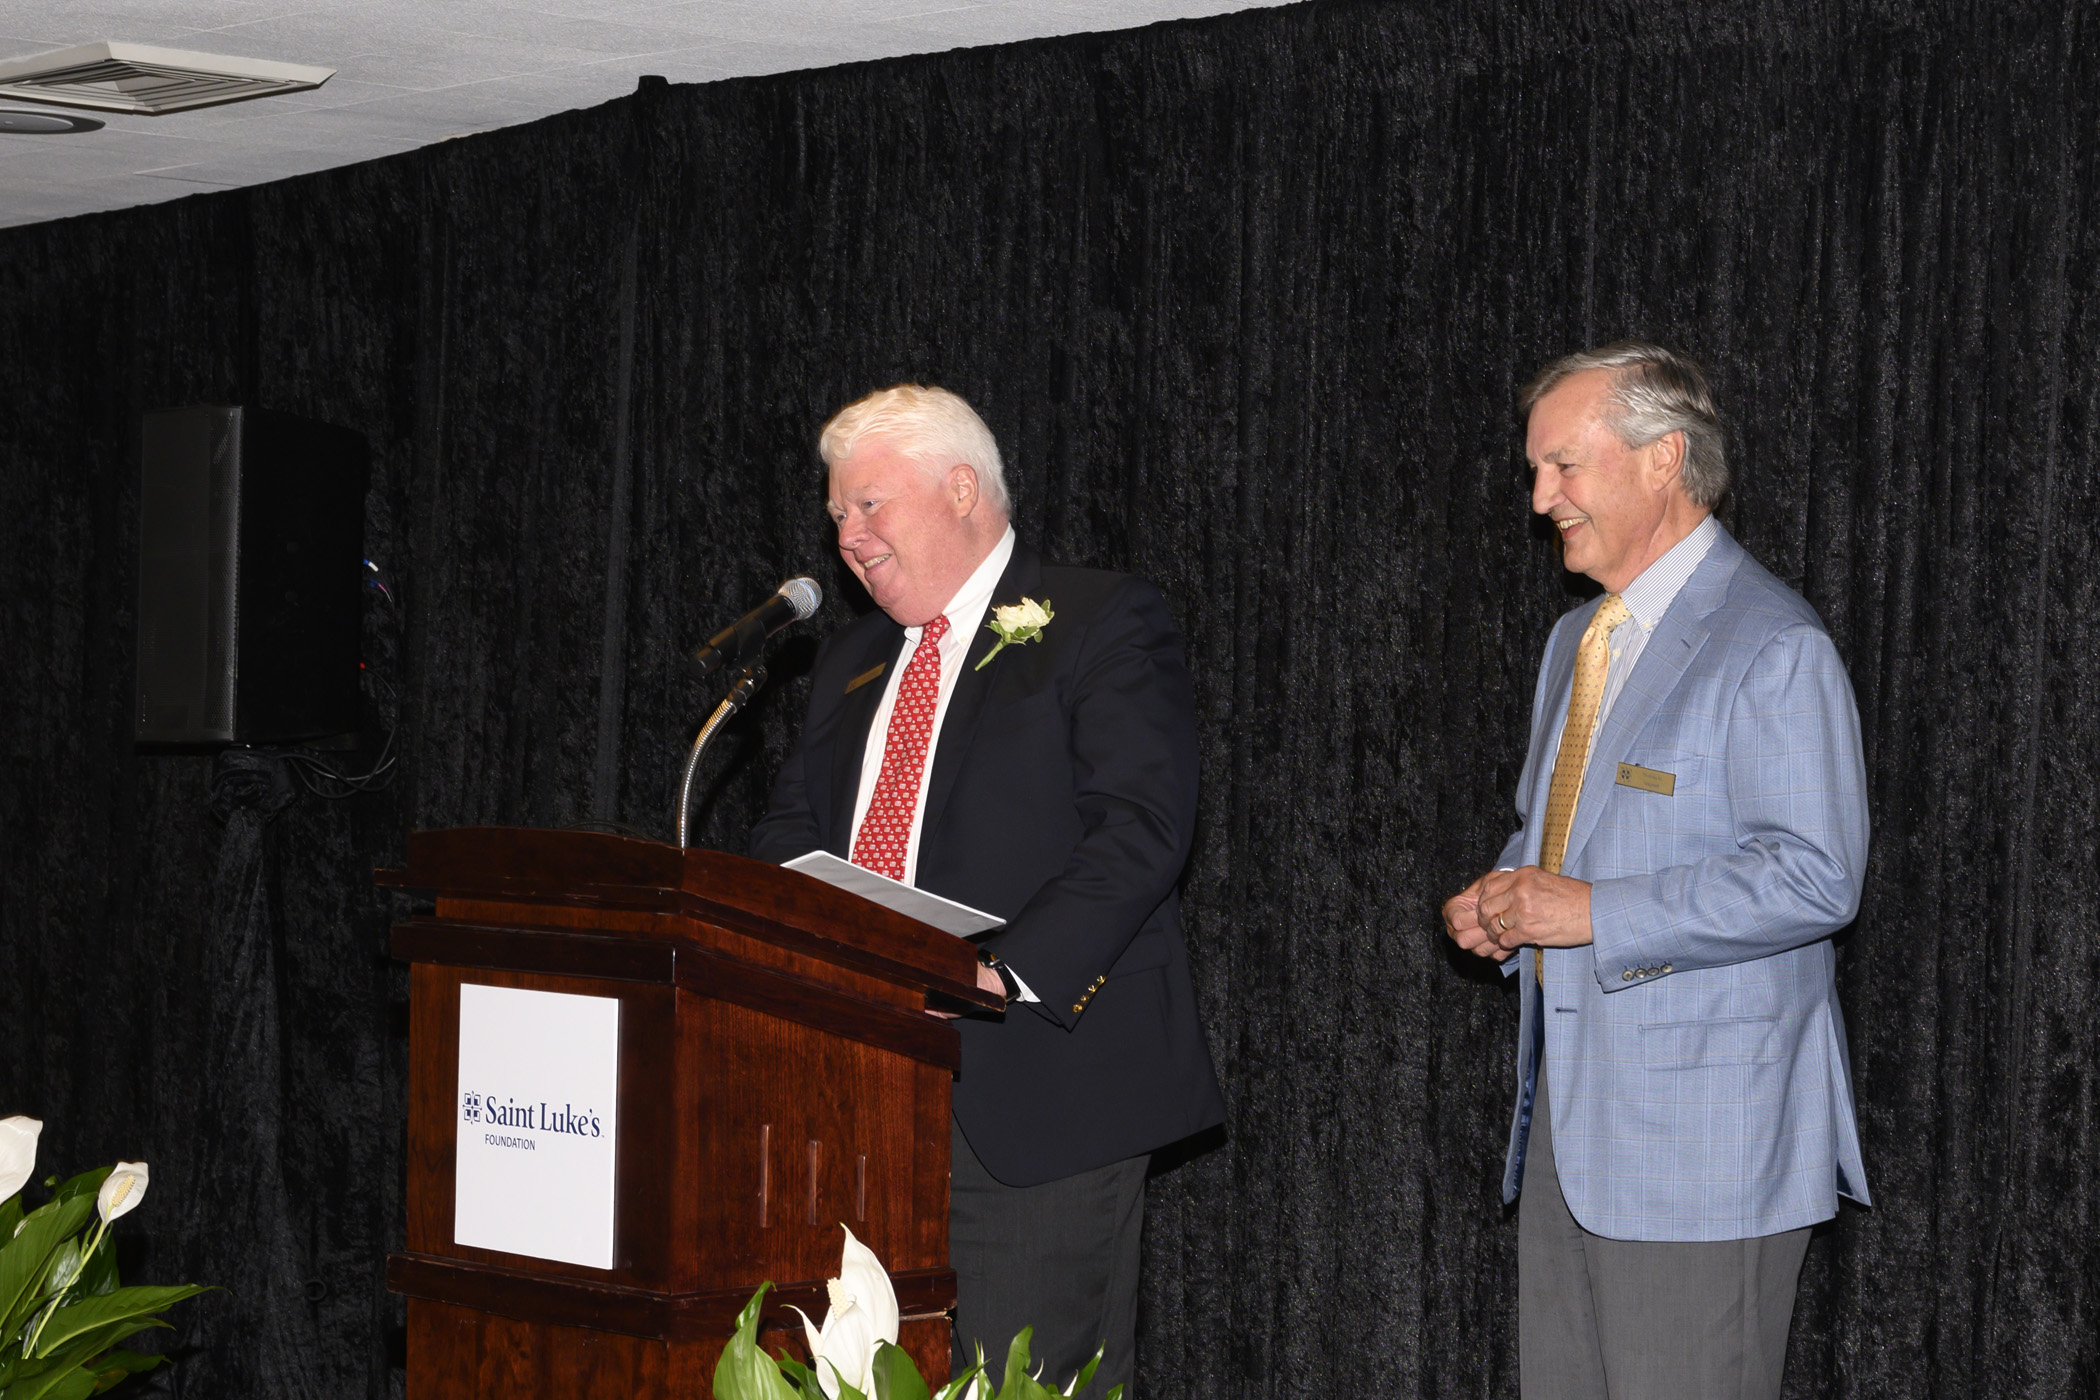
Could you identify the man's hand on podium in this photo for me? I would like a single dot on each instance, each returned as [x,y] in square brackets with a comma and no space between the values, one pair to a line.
[987,981]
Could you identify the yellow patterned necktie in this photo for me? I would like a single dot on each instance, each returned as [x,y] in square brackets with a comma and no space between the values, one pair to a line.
[1592,664]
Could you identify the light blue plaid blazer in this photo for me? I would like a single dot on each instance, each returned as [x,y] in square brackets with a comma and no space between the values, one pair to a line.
[1701,1085]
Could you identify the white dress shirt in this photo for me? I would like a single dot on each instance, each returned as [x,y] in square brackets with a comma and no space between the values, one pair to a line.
[965,613]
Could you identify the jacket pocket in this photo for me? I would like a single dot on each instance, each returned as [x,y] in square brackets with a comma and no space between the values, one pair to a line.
[1687,771]
[1723,1040]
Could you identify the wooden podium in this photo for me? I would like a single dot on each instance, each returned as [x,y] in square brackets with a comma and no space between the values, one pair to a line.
[777,1076]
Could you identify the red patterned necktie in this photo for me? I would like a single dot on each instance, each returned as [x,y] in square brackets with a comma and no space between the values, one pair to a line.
[885,832]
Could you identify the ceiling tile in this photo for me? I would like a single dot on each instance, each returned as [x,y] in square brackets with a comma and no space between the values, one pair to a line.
[412,72]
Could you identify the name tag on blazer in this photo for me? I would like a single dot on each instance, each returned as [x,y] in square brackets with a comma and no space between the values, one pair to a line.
[1647,779]
[864,677]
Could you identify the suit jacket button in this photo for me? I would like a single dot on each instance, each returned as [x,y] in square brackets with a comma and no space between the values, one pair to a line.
[1626,977]
[1667,968]
[1077,1007]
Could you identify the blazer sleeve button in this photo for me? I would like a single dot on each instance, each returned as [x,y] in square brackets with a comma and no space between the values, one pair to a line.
[1626,976]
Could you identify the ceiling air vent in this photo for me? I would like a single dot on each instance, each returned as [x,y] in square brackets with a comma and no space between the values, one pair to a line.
[149,81]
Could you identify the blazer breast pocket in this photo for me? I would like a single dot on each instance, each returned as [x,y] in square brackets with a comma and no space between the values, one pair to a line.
[1030,719]
[1662,773]
[1719,1040]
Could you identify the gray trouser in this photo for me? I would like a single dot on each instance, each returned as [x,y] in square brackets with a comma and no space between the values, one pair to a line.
[1061,1257]
[1601,1319]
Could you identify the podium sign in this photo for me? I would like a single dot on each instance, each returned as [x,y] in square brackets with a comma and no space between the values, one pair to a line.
[539,1081]
[642,1082]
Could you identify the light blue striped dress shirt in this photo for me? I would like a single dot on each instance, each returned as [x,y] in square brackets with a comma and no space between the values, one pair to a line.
[1647,598]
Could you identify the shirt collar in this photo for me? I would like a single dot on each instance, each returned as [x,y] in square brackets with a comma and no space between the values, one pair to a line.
[967,608]
[1649,596]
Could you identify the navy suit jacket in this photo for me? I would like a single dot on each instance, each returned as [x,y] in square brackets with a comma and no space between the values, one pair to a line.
[1061,795]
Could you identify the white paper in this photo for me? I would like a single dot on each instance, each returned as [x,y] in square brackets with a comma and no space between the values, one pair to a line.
[539,1084]
[944,914]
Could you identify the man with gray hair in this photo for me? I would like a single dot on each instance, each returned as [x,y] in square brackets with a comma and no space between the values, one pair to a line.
[1692,830]
[1020,737]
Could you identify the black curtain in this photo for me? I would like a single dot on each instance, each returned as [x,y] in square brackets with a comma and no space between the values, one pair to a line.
[1247,301]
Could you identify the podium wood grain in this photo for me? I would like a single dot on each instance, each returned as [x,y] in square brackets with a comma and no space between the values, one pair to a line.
[778,1077]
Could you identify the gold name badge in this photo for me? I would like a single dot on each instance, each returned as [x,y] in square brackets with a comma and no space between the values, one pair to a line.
[864,677]
[1647,779]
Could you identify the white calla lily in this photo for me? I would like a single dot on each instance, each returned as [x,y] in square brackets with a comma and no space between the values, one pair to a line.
[864,1281]
[18,1137]
[863,1312]
[842,1349]
[121,1191]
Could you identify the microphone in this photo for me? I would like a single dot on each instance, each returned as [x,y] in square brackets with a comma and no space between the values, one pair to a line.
[743,639]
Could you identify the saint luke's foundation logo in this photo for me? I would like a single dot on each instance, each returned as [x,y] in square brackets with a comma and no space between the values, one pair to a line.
[539,1117]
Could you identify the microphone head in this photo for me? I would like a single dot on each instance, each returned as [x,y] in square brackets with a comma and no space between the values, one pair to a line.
[803,595]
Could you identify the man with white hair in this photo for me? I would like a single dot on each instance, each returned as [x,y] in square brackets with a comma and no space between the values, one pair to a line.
[1019,737]
[1693,829]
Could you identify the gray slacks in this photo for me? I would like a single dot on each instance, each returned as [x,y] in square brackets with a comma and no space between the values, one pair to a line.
[1601,1319]
[1061,1257]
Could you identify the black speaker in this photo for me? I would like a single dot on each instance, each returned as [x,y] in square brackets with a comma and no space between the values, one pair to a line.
[251,571]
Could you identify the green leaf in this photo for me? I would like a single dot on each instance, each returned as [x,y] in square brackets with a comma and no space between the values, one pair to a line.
[99,1275]
[1016,1366]
[799,1376]
[10,1215]
[117,1365]
[106,1369]
[81,1350]
[25,1258]
[976,1371]
[1085,1377]
[896,1377]
[77,1383]
[90,1344]
[124,1305]
[745,1372]
[64,1271]
[87,1184]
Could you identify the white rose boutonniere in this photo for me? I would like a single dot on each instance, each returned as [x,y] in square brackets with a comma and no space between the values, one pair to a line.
[1015,624]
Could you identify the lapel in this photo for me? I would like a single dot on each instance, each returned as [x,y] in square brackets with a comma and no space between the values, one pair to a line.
[1677,642]
[1023,576]
[850,739]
